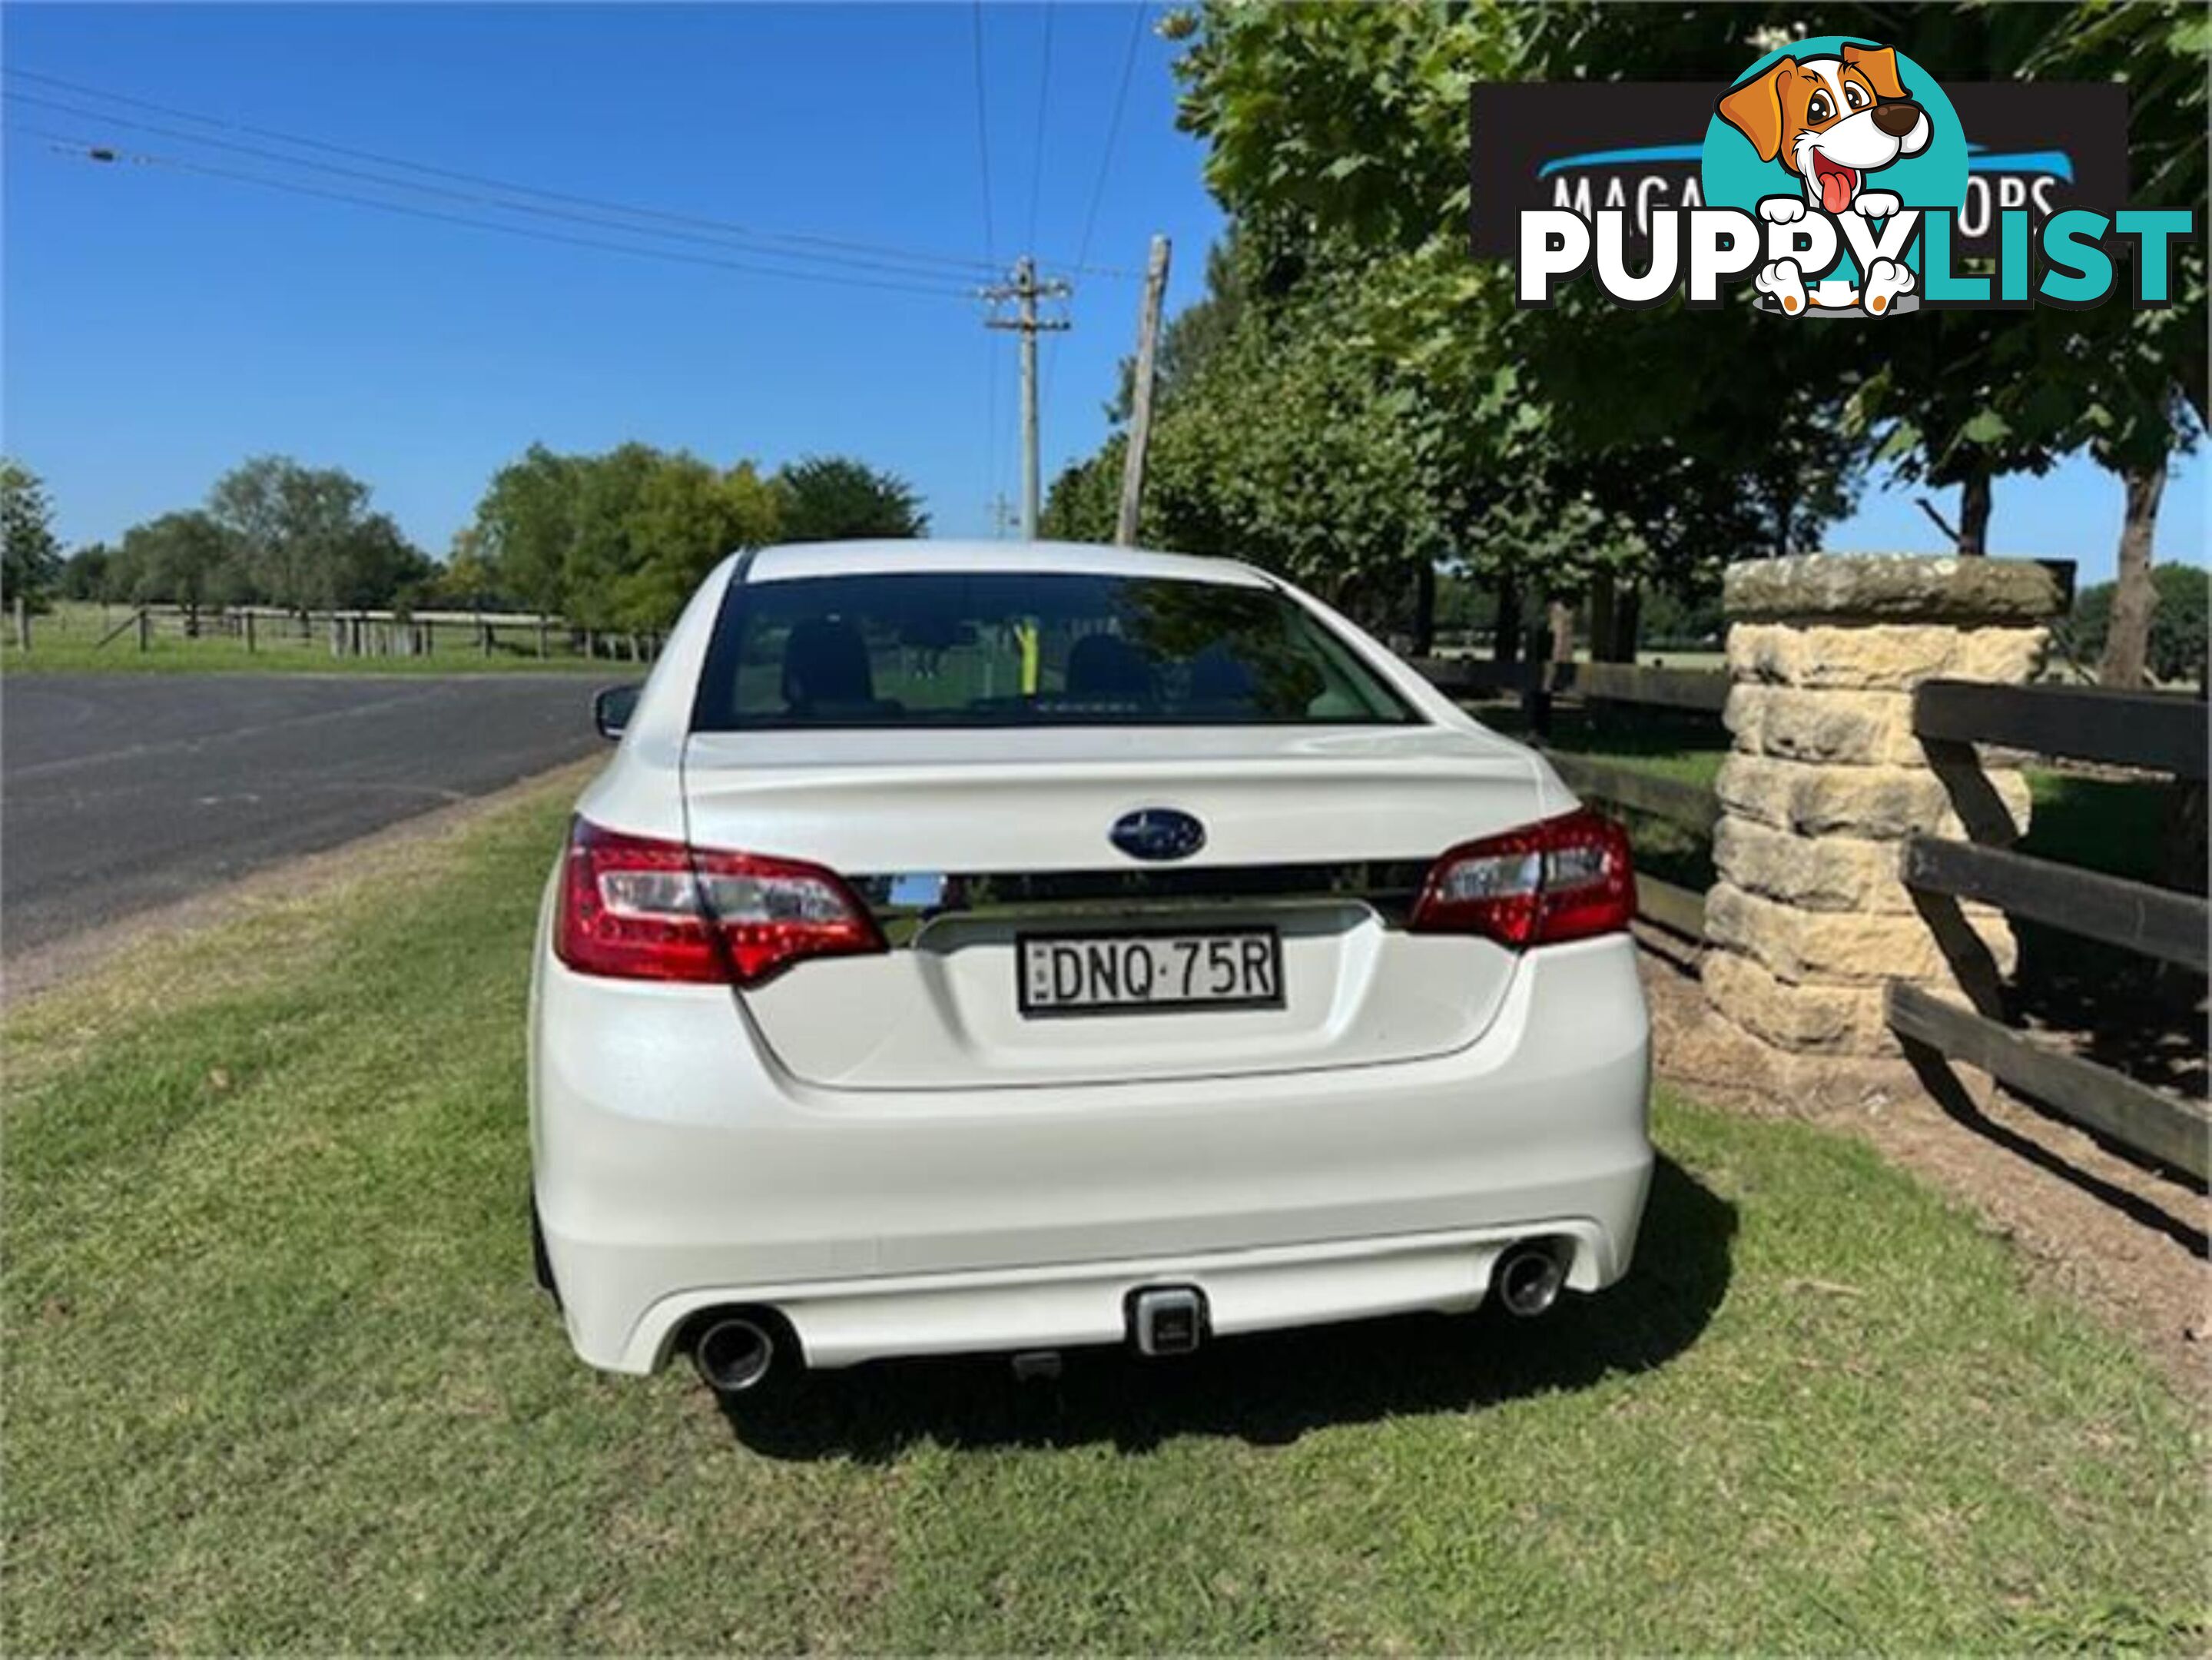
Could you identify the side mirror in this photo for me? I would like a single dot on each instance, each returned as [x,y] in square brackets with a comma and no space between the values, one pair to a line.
[611,708]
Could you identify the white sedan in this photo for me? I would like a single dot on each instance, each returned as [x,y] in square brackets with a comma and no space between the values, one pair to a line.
[999,947]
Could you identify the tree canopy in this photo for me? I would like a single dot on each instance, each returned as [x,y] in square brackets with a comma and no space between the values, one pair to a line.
[831,498]
[619,540]
[272,532]
[1583,446]
[615,541]
[30,558]
[1356,402]
[2180,627]
[178,558]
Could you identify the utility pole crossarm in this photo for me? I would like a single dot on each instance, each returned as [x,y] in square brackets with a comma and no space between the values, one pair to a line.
[1026,291]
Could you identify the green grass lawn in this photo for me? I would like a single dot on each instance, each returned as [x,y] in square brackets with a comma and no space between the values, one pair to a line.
[2113,825]
[1686,748]
[277,1378]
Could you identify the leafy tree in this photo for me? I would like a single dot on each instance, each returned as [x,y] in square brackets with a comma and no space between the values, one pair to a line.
[1193,336]
[298,531]
[1082,502]
[466,581]
[526,523]
[612,541]
[1318,460]
[1983,393]
[1462,607]
[30,558]
[1336,128]
[688,516]
[1337,140]
[609,491]
[2176,648]
[2140,373]
[1680,621]
[178,559]
[84,573]
[374,565]
[831,498]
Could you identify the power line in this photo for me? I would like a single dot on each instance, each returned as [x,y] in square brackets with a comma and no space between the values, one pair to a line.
[469,198]
[93,150]
[1044,90]
[990,248]
[1113,133]
[728,227]
[1105,169]
[983,141]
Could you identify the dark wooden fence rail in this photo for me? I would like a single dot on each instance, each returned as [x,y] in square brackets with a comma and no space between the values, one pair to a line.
[1690,806]
[1702,690]
[2160,732]
[2146,731]
[1695,808]
[2134,916]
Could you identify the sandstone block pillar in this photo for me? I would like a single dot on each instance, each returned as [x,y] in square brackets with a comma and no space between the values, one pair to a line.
[1809,920]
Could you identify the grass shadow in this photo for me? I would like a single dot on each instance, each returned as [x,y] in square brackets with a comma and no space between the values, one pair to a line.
[1270,1389]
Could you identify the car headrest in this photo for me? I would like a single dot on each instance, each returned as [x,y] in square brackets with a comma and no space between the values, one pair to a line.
[1217,677]
[1107,665]
[825,660]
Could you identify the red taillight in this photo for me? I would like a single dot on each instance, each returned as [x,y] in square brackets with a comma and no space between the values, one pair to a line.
[637,908]
[1565,878]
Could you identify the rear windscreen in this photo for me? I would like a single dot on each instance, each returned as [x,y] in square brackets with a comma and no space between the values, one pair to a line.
[1001,648]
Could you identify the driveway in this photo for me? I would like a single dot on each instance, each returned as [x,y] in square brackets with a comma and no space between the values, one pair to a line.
[122,792]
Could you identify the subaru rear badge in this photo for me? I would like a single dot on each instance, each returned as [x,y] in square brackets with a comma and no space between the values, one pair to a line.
[1158,834]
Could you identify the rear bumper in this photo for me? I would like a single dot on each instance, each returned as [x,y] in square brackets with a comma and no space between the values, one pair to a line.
[677,1168]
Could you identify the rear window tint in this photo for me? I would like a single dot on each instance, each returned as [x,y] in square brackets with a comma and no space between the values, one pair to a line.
[1021,649]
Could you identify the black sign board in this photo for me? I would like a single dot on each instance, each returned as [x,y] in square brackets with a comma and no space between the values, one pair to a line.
[1637,144]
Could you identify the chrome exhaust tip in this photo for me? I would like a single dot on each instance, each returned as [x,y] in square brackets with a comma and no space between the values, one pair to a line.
[1528,1278]
[734,1354]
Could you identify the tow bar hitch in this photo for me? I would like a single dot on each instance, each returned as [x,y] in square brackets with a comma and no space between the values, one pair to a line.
[1167,1319]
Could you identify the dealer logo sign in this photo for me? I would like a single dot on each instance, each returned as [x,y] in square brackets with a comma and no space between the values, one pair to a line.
[1836,177]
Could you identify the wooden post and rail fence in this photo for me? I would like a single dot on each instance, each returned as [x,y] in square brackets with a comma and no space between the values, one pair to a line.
[2154,732]
[1827,700]
[362,633]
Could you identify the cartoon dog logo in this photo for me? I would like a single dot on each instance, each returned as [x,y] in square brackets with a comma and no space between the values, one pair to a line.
[1832,121]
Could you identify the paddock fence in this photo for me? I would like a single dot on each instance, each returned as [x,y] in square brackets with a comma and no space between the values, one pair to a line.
[2138,735]
[121,629]
[2140,730]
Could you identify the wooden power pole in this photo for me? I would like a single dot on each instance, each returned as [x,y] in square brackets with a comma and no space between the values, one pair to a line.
[1026,291]
[1141,402]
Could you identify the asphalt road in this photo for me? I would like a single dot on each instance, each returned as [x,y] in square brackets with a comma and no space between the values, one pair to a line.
[122,792]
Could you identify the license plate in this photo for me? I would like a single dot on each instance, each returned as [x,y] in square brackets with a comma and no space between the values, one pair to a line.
[1125,973]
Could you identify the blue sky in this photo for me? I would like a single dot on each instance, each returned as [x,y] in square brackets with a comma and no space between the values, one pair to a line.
[161,324]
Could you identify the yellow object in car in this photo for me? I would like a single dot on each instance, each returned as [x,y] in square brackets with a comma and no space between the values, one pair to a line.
[1026,632]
